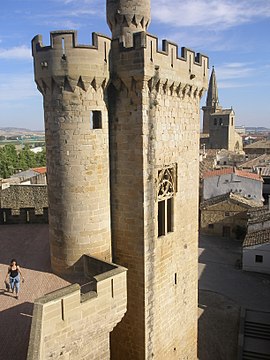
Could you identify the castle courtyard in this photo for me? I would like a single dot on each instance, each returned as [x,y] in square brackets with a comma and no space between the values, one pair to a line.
[29,245]
[223,289]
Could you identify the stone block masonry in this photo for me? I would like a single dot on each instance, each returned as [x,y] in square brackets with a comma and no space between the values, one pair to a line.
[154,129]
[72,79]
[20,204]
[69,325]
[124,109]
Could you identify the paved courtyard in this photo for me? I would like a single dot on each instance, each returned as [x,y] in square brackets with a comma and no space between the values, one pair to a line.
[29,245]
[224,289]
[218,272]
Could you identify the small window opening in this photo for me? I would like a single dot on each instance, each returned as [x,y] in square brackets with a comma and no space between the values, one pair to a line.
[227,213]
[161,218]
[112,288]
[95,120]
[175,278]
[63,45]
[62,309]
[165,216]
[258,258]
[170,215]
[105,52]
[63,49]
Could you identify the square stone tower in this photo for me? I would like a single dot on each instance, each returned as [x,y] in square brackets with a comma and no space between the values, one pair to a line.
[144,105]
[154,124]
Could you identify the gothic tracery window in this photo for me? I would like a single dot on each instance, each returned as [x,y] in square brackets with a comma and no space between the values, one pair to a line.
[166,192]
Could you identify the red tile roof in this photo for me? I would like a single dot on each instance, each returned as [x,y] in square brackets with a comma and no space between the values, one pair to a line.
[40,170]
[232,170]
[257,238]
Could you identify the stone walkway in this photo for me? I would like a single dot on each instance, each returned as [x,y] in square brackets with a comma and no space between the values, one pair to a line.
[29,245]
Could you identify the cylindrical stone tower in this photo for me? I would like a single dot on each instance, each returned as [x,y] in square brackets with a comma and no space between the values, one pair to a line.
[72,80]
[126,18]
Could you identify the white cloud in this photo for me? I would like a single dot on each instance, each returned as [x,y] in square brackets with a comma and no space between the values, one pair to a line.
[220,14]
[17,87]
[17,52]
[237,71]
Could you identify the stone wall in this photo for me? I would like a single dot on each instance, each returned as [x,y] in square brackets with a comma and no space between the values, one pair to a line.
[225,213]
[155,125]
[73,79]
[225,183]
[24,204]
[69,325]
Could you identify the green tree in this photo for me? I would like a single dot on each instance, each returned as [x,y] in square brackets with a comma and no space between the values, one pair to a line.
[41,158]
[26,158]
[12,161]
[8,160]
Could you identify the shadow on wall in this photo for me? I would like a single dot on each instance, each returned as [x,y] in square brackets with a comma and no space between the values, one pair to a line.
[29,244]
[15,325]
[218,327]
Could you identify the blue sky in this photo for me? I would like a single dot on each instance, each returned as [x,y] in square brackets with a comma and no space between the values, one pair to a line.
[234,34]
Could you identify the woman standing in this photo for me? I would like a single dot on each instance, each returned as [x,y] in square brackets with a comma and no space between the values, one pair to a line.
[13,275]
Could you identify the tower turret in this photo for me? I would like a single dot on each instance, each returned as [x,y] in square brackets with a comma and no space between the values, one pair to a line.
[72,79]
[126,18]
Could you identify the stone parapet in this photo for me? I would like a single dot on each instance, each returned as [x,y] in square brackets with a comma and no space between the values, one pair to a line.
[66,64]
[71,325]
[17,197]
[165,69]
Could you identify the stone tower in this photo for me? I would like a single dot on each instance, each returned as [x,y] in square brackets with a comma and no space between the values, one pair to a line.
[212,102]
[219,123]
[126,18]
[147,99]
[72,79]
[154,99]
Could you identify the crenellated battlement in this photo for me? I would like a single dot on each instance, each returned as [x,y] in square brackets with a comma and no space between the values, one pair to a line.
[67,64]
[178,70]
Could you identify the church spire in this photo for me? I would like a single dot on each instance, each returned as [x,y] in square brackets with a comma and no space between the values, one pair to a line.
[212,94]
[126,17]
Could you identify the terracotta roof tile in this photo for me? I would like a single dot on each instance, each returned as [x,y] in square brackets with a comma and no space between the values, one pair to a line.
[258,161]
[249,203]
[232,170]
[257,238]
[40,170]
[261,144]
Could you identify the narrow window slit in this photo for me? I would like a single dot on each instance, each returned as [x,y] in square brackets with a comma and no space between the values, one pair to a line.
[63,46]
[105,52]
[112,288]
[62,309]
